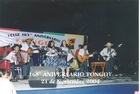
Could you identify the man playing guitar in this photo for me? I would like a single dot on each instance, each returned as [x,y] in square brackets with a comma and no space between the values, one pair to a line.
[83,56]
[26,51]
[108,54]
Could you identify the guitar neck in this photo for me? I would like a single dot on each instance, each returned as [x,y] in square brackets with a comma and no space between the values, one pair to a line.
[72,53]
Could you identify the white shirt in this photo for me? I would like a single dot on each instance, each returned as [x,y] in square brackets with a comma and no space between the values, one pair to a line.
[25,47]
[6,87]
[10,56]
[82,52]
[105,52]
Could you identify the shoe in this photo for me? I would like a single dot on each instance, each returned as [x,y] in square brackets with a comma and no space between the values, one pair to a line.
[25,78]
[14,80]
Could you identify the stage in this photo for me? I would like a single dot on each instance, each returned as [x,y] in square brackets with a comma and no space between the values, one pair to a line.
[113,85]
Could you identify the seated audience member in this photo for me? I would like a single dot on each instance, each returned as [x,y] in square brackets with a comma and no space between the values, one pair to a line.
[6,87]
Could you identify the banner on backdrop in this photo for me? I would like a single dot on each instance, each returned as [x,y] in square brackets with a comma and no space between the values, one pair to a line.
[41,39]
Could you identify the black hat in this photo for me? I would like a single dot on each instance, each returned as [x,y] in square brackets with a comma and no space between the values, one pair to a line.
[16,45]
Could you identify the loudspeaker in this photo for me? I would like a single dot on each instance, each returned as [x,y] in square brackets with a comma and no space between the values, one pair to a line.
[42,77]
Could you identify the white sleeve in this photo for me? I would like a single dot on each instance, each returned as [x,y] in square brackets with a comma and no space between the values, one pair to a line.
[80,52]
[91,55]
[102,53]
[24,47]
[9,56]
[7,87]
[13,89]
[87,52]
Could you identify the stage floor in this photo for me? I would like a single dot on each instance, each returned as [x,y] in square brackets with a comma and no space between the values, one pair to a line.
[74,83]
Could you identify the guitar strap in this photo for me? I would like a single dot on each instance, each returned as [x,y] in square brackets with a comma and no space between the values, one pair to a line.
[108,50]
[85,51]
[29,45]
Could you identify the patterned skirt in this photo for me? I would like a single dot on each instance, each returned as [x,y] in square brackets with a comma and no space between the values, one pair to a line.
[51,61]
[62,62]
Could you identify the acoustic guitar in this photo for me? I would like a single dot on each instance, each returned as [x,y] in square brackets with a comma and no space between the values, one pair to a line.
[25,55]
[30,51]
[84,57]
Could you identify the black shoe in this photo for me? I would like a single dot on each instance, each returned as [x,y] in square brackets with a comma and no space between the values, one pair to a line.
[25,78]
[14,80]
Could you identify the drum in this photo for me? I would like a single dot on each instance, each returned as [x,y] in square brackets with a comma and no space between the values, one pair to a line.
[5,64]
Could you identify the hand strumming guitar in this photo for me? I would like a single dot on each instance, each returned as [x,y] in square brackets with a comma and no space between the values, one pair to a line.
[29,51]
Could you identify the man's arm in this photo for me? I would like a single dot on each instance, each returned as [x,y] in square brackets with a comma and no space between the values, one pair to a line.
[102,53]
[24,48]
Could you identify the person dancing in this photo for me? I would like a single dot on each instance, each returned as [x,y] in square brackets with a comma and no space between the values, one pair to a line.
[52,55]
[63,63]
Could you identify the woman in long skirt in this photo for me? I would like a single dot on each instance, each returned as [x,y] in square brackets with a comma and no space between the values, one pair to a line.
[51,55]
[63,63]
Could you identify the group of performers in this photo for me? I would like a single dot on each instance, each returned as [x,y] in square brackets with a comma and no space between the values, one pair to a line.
[23,55]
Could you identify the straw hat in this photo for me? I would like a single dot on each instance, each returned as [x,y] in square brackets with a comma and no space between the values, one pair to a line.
[108,44]
[31,38]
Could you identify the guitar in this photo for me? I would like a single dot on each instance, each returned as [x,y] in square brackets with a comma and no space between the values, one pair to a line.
[84,57]
[25,55]
[31,51]
[108,56]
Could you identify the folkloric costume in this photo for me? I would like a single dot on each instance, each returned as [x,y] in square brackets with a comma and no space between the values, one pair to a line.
[51,59]
[63,61]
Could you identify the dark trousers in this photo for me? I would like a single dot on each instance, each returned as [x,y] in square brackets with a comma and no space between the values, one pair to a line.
[26,67]
[79,63]
[83,67]
[109,65]
[12,66]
